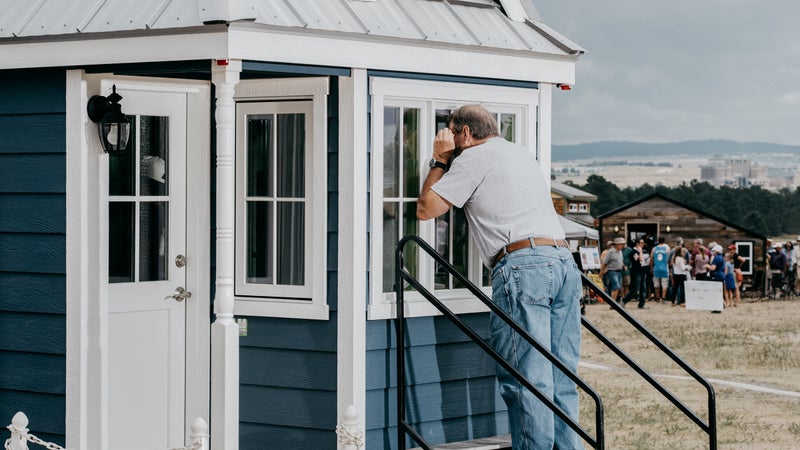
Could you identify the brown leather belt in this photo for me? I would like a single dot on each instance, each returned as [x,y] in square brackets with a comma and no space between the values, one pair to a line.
[528,243]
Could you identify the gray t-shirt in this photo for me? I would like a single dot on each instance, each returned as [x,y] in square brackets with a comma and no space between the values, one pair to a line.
[613,259]
[503,193]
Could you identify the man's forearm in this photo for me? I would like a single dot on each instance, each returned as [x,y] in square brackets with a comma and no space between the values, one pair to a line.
[429,203]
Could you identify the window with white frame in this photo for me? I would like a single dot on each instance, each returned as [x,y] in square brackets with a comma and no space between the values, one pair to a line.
[583,207]
[745,250]
[406,114]
[573,207]
[280,198]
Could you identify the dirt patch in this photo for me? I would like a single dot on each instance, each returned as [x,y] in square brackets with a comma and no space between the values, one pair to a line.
[756,343]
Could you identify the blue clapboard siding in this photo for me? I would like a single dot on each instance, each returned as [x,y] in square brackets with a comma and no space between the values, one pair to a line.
[33,213]
[451,382]
[33,249]
[38,253]
[33,292]
[32,91]
[49,131]
[37,333]
[32,372]
[251,436]
[33,173]
[287,381]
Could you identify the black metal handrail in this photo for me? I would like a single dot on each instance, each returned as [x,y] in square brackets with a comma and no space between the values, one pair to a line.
[402,275]
[711,427]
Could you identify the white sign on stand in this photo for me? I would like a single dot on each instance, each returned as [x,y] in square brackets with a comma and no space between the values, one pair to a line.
[590,258]
[704,295]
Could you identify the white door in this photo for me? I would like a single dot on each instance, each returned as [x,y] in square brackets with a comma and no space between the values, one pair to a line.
[147,256]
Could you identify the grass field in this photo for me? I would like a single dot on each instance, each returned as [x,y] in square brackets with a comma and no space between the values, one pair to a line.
[751,355]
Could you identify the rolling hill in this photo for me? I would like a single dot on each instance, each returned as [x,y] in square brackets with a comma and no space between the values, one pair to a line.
[624,149]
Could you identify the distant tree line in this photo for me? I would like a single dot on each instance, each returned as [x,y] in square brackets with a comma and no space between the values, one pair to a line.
[754,208]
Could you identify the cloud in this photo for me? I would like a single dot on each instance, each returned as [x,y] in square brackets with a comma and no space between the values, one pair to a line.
[664,71]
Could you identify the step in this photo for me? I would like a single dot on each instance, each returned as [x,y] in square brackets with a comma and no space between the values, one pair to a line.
[489,443]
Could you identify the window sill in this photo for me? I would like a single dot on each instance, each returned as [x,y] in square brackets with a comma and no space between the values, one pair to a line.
[287,308]
[459,301]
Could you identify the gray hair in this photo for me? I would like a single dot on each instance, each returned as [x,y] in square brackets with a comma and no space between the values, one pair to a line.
[482,124]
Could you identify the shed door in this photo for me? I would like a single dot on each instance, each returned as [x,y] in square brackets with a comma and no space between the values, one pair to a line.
[146,248]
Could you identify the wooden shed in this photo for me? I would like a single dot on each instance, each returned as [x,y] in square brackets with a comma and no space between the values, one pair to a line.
[657,215]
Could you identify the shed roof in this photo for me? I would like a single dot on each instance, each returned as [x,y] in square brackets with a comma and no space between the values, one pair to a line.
[570,192]
[658,195]
[481,23]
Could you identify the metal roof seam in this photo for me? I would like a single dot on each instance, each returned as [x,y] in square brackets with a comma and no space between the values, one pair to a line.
[461,21]
[356,17]
[28,18]
[296,13]
[159,11]
[419,29]
[90,16]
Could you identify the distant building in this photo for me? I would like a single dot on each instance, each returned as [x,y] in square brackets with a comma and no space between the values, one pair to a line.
[657,215]
[735,172]
[572,203]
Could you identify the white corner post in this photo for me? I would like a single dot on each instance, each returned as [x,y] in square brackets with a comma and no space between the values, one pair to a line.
[351,346]
[544,133]
[224,330]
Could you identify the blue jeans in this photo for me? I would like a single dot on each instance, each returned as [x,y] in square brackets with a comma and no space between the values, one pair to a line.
[540,288]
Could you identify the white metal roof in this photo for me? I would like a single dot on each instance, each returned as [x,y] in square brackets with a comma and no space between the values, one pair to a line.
[480,23]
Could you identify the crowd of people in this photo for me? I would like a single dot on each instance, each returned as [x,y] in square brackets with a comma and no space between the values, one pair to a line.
[645,270]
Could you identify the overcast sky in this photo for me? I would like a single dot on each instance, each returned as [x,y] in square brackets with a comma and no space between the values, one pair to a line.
[667,71]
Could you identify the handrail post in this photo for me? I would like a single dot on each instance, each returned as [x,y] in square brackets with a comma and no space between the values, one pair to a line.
[401,346]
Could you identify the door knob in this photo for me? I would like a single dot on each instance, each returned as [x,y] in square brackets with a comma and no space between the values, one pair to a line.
[180,294]
[180,261]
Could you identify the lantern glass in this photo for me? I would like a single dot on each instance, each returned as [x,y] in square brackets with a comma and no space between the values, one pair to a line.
[114,135]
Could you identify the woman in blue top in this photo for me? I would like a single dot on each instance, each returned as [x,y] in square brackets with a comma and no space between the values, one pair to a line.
[730,281]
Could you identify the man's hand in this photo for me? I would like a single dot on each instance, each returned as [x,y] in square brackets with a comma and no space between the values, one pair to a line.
[443,145]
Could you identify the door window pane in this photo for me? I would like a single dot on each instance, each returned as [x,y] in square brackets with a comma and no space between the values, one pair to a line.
[121,228]
[121,171]
[153,241]
[154,154]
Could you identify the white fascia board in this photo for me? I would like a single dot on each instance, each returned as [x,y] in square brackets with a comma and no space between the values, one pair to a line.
[370,52]
[113,49]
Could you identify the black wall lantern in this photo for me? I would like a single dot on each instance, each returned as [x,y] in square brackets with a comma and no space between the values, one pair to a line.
[113,126]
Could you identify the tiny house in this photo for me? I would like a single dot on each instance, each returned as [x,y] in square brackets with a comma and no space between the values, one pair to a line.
[225,249]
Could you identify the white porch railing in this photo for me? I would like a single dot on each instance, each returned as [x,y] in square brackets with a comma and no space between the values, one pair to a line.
[20,436]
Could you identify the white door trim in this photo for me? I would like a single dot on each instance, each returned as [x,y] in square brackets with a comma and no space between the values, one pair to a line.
[87,258]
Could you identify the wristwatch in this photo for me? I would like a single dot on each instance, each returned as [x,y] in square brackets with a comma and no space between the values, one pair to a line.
[436,163]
